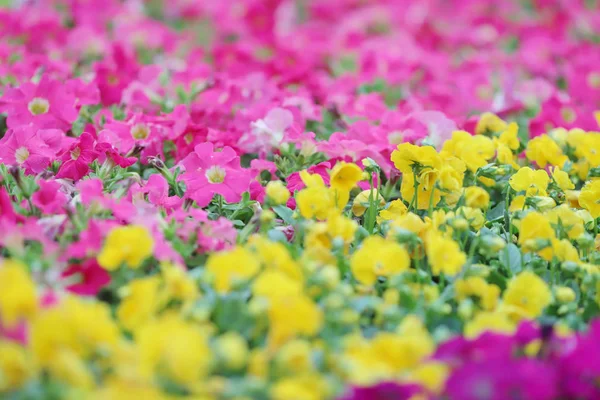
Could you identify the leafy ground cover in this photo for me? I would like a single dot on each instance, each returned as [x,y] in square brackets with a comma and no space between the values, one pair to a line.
[300,199]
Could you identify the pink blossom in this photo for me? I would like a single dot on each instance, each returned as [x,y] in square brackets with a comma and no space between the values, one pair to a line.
[89,277]
[77,158]
[48,104]
[23,147]
[209,172]
[49,198]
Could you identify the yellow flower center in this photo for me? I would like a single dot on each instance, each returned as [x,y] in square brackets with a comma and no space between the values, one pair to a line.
[593,80]
[568,114]
[188,138]
[38,106]
[215,174]
[21,155]
[75,153]
[140,131]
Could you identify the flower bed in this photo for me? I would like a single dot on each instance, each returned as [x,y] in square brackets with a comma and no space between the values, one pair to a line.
[300,199]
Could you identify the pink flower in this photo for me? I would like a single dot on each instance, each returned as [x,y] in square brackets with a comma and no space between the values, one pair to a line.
[91,278]
[49,104]
[49,198]
[77,159]
[107,151]
[157,190]
[23,147]
[209,172]
[270,131]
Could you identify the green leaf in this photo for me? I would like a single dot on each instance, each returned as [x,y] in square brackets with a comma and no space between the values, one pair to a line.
[511,258]
[285,214]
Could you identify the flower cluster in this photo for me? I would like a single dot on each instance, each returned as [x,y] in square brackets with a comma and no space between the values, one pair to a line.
[299,199]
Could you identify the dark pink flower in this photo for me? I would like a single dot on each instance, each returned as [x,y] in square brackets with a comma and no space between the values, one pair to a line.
[77,159]
[90,277]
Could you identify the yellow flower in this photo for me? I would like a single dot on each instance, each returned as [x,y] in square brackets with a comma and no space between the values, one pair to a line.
[141,302]
[452,147]
[408,155]
[233,350]
[564,250]
[295,356]
[361,201]
[344,176]
[378,257]
[473,215]
[535,228]
[275,255]
[15,366]
[300,387]
[424,196]
[533,182]
[228,267]
[18,298]
[277,192]
[174,348]
[562,179]
[505,156]
[543,150]
[589,197]
[178,284]
[395,209]
[526,296]
[477,197]
[291,316]
[565,294]
[510,137]
[72,326]
[489,122]
[444,255]
[431,375]
[569,221]
[129,245]
[274,284]
[487,321]
[476,152]
[487,293]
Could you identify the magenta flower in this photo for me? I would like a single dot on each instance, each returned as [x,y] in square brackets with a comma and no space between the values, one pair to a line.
[49,104]
[89,278]
[77,159]
[209,172]
[23,147]
[157,189]
[48,198]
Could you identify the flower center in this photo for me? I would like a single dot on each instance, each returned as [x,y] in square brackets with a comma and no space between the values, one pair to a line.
[140,131]
[568,114]
[593,80]
[112,79]
[215,174]
[38,106]
[76,153]
[188,138]
[21,155]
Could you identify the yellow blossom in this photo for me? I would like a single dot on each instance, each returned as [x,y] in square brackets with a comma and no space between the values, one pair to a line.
[534,183]
[526,296]
[543,150]
[444,255]
[395,209]
[489,321]
[477,197]
[344,176]
[361,201]
[489,122]
[228,267]
[277,192]
[18,298]
[590,197]
[378,257]
[129,245]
